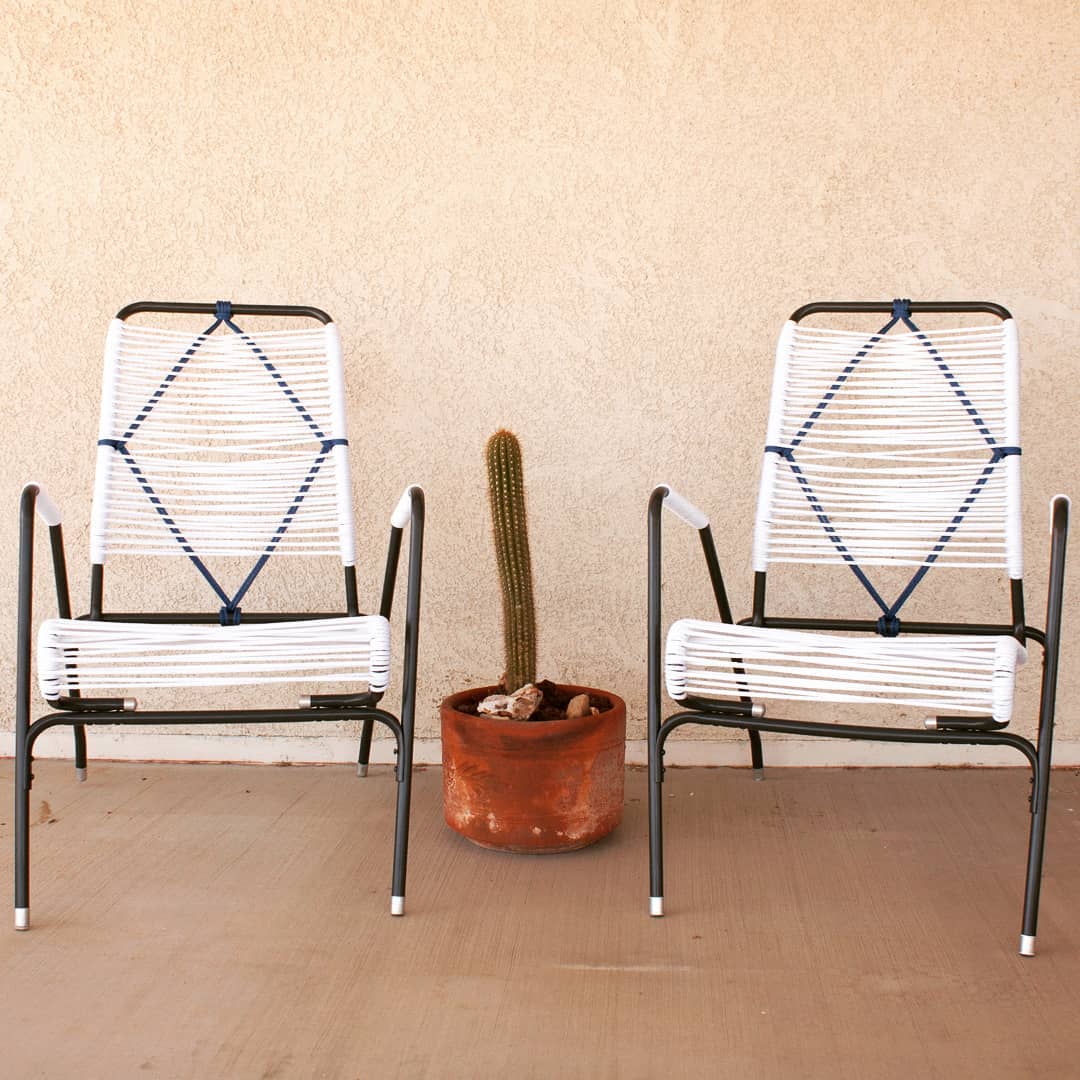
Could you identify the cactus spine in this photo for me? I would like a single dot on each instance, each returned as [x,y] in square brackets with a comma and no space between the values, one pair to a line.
[506,490]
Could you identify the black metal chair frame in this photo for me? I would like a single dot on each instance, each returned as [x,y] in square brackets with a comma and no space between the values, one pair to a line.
[747,715]
[80,712]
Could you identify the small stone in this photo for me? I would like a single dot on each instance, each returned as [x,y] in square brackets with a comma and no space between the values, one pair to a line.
[519,705]
[577,707]
[494,705]
[525,701]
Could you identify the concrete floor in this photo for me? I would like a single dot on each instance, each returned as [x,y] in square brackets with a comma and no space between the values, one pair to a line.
[231,921]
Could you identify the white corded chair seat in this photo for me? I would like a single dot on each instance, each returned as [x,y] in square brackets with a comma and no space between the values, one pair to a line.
[941,673]
[89,657]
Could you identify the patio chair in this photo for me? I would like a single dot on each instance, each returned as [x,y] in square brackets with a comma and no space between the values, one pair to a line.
[224,448]
[887,455]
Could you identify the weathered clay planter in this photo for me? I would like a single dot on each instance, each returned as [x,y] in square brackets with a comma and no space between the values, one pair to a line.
[536,787]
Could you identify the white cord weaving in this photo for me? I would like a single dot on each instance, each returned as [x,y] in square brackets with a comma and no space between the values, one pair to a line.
[212,439]
[945,674]
[894,455]
[90,656]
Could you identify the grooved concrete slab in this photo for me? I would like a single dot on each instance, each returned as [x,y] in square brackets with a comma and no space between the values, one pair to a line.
[232,921]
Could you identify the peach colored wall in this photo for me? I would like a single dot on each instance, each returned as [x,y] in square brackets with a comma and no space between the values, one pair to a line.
[582,220]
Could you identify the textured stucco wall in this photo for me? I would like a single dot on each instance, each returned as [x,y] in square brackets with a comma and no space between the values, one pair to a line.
[582,220]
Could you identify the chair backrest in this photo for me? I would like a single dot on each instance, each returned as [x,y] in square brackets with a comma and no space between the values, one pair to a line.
[895,448]
[222,443]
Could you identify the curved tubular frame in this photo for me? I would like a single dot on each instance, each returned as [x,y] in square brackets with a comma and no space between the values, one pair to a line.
[856,731]
[745,715]
[178,308]
[80,712]
[884,307]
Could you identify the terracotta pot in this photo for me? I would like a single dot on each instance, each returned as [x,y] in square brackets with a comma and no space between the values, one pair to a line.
[533,786]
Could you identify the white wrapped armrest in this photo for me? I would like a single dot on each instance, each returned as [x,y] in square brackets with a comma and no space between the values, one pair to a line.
[49,511]
[1053,505]
[403,511]
[683,508]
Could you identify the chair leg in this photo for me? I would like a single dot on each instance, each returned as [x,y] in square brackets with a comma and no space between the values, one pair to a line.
[656,830]
[22,831]
[401,827]
[757,760]
[365,748]
[80,751]
[1036,845]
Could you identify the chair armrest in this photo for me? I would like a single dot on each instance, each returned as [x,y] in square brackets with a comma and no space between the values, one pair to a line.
[1060,506]
[45,506]
[1051,642]
[409,510]
[664,496]
[682,507]
[36,501]
[406,508]
[1055,587]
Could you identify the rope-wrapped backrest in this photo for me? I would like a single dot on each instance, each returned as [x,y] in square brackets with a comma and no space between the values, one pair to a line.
[900,448]
[223,443]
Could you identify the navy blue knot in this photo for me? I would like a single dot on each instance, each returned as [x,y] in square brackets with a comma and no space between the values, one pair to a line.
[229,616]
[116,444]
[888,626]
[1004,452]
[783,451]
[901,309]
[223,310]
[329,444]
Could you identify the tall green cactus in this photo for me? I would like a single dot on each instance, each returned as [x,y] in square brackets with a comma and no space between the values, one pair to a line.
[506,490]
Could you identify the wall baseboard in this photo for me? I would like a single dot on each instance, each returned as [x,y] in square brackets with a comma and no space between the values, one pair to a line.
[331,749]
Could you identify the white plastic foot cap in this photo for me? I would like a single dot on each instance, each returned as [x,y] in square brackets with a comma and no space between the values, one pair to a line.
[80,775]
[1027,944]
[22,918]
[759,774]
[361,770]
[397,905]
[656,905]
